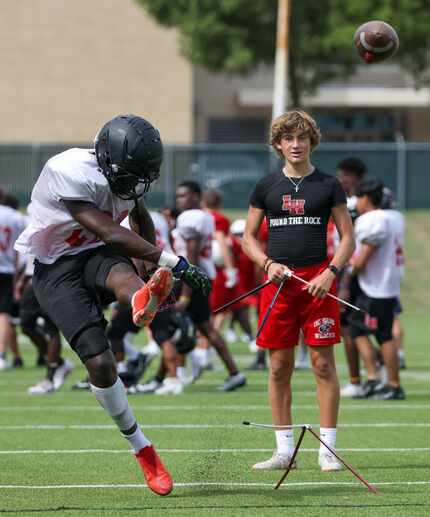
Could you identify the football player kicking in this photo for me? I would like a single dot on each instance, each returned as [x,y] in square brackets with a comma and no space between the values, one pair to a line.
[82,258]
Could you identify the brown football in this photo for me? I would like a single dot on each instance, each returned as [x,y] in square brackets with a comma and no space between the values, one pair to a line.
[376,41]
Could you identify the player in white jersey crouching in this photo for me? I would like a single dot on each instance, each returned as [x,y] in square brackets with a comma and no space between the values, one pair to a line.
[379,266]
[82,258]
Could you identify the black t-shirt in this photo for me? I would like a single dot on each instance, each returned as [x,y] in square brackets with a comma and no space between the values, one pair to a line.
[297,221]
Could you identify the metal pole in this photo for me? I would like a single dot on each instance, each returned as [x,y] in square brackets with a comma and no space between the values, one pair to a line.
[280,86]
[401,171]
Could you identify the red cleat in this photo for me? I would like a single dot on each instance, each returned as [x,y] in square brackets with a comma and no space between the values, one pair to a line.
[156,476]
[146,300]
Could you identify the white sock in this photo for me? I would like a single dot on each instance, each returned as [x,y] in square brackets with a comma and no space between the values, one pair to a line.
[114,401]
[181,373]
[328,434]
[285,441]
[131,351]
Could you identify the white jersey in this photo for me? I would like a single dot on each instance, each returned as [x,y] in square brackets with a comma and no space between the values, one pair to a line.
[162,233]
[196,224]
[12,223]
[52,232]
[384,270]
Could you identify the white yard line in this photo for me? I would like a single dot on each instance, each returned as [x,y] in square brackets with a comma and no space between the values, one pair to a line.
[199,426]
[204,451]
[211,484]
[354,406]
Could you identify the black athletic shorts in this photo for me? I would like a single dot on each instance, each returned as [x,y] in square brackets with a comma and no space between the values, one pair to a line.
[30,311]
[6,293]
[376,319]
[345,313]
[119,325]
[72,291]
[199,308]
[161,326]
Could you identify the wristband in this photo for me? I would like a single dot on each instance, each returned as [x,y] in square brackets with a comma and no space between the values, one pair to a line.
[333,269]
[268,264]
[168,260]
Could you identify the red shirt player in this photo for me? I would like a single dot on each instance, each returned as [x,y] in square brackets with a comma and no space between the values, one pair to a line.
[298,201]
[225,282]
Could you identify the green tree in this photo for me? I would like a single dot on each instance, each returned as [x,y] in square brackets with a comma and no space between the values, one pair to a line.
[233,36]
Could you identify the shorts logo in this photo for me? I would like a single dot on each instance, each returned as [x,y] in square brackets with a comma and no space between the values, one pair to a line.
[293,206]
[371,322]
[325,328]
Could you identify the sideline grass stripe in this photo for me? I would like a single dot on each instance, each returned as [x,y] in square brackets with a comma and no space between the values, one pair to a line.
[201,451]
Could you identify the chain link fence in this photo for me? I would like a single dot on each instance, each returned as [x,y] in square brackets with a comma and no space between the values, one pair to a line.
[234,169]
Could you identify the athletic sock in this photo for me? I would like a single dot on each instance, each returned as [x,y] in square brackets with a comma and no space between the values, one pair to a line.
[137,439]
[114,402]
[285,441]
[328,434]
[51,370]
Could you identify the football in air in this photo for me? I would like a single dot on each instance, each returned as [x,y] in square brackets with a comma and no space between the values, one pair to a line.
[376,41]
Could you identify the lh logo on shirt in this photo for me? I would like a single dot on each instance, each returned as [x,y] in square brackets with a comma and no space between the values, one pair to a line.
[293,206]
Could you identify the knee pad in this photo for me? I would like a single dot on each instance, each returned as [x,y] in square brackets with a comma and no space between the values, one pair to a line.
[91,341]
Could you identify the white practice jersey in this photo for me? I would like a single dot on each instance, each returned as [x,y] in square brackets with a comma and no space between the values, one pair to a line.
[196,224]
[384,270]
[12,223]
[162,240]
[52,232]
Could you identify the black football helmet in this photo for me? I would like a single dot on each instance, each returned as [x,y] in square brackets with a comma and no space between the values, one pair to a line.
[182,331]
[129,153]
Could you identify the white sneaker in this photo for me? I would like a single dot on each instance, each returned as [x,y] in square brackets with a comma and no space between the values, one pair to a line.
[328,462]
[4,365]
[151,349]
[231,336]
[170,386]
[234,381]
[43,387]
[352,390]
[61,373]
[148,387]
[276,462]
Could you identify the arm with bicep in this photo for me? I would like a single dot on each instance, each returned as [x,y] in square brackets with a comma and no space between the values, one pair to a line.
[124,241]
[141,223]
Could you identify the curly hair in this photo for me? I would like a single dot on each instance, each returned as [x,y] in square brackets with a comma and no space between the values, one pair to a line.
[290,122]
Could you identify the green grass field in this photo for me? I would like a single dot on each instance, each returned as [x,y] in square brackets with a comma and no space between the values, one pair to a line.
[61,455]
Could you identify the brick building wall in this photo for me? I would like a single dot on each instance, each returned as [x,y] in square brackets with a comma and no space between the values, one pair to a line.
[69,65]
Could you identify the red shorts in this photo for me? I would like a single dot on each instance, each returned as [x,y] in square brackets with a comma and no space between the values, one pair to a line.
[295,310]
[220,294]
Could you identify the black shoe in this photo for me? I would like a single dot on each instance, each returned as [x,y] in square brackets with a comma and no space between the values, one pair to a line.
[370,388]
[135,369]
[81,385]
[388,392]
[17,363]
[257,365]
